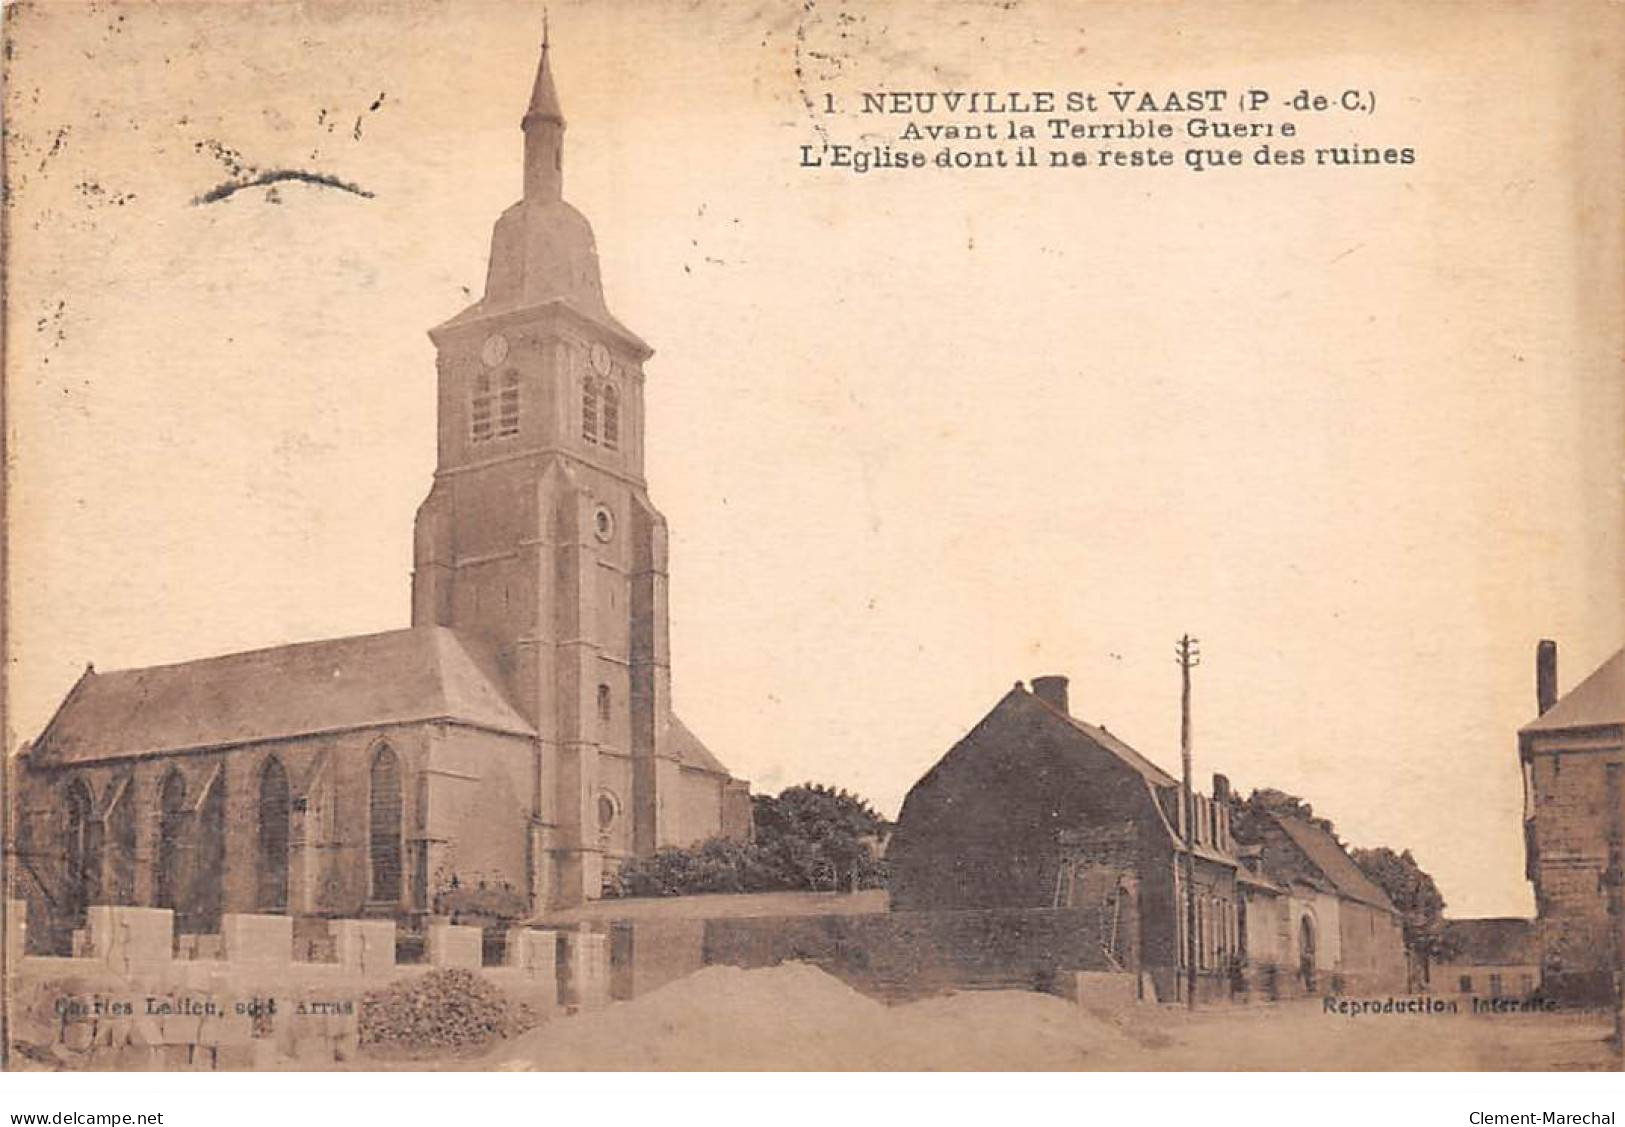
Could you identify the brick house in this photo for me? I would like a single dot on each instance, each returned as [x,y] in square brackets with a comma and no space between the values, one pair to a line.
[1037,809]
[519,734]
[1571,756]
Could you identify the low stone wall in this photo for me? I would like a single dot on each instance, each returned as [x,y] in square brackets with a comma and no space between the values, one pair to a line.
[129,1003]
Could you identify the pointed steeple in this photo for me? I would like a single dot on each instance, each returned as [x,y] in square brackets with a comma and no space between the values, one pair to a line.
[543,124]
[544,97]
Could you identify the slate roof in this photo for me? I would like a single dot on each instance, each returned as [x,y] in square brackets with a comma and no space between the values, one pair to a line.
[1599,700]
[1505,941]
[1332,863]
[418,674]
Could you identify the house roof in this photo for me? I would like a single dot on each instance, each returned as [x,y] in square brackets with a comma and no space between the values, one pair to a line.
[419,674]
[1504,941]
[1108,742]
[1599,700]
[1332,862]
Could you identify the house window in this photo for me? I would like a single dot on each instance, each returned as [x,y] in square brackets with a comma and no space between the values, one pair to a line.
[508,405]
[589,410]
[603,703]
[612,417]
[1465,985]
[479,409]
[1495,986]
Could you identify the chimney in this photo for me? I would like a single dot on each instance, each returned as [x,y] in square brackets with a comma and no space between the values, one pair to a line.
[1221,788]
[1545,675]
[1052,691]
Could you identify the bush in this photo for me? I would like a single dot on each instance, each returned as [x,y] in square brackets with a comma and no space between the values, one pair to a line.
[440,1009]
[808,838]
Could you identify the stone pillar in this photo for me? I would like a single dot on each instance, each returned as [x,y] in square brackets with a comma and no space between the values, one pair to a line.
[253,940]
[131,941]
[536,952]
[365,946]
[454,945]
[587,962]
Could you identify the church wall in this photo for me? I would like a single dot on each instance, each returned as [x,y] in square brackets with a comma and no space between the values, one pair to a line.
[699,806]
[328,857]
[615,783]
[477,800]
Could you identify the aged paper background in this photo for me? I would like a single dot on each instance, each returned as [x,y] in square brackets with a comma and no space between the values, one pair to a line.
[918,435]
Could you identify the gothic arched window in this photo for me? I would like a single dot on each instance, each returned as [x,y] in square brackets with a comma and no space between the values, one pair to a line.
[589,409]
[80,853]
[275,810]
[612,417]
[479,409]
[120,823]
[206,898]
[384,821]
[171,839]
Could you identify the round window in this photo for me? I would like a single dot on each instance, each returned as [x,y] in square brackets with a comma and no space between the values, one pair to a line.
[606,811]
[603,524]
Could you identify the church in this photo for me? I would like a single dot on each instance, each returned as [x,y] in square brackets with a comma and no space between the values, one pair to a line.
[517,737]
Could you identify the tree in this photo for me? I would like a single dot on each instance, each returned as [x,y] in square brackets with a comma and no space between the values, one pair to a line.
[1420,904]
[1267,800]
[808,837]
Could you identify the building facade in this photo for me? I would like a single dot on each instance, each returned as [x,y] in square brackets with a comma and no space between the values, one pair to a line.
[1037,809]
[1572,756]
[1316,922]
[518,737]
[1487,958]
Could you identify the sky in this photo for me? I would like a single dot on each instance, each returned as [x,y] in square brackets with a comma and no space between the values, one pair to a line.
[918,435]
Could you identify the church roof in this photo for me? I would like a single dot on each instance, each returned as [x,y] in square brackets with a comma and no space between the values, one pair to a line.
[544,96]
[1599,700]
[543,253]
[688,748]
[402,676]
[1330,862]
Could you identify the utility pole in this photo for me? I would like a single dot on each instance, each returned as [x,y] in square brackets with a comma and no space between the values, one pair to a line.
[1614,878]
[1189,658]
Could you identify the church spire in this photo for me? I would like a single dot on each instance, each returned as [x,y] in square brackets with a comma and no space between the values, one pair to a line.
[543,124]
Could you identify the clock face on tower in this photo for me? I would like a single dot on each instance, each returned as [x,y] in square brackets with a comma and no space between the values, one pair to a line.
[600,359]
[495,350]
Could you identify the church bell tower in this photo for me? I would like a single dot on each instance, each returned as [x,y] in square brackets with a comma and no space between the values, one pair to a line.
[538,537]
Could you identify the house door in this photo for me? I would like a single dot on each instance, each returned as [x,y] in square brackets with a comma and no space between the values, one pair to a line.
[1306,952]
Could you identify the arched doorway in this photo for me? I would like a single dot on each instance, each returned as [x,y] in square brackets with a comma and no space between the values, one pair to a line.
[81,855]
[171,859]
[274,814]
[384,835]
[1306,952]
